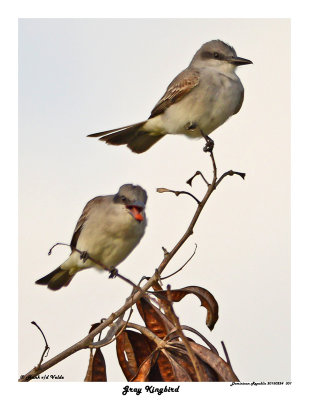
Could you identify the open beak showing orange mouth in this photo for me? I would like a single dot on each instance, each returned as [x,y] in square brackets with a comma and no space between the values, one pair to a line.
[135,211]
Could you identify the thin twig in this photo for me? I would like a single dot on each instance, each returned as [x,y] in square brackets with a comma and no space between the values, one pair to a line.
[165,252]
[102,343]
[189,259]
[177,193]
[46,349]
[189,181]
[147,332]
[226,354]
[230,173]
[161,300]
[188,328]
[86,341]
[109,269]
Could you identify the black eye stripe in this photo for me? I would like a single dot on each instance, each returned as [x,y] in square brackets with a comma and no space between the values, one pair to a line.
[120,199]
[215,55]
[206,54]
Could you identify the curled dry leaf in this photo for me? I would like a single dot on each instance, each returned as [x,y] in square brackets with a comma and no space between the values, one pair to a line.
[184,361]
[96,368]
[165,368]
[180,353]
[133,348]
[94,326]
[154,319]
[222,368]
[215,362]
[144,370]
[180,374]
[207,300]
[89,370]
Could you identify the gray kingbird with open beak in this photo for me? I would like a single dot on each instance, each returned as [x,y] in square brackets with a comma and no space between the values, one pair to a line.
[199,100]
[109,228]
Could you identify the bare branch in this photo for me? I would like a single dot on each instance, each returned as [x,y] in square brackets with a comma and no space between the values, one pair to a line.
[46,349]
[165,252]
[147,332]
[174,334]
[177,193]
[189,181]
[226,354]
[189,259]
[87,340]
[111,336]
[112,270]
[161,300]
[230,173]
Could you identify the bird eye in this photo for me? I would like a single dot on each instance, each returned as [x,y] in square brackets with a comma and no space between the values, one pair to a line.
[123,198]
[216,55]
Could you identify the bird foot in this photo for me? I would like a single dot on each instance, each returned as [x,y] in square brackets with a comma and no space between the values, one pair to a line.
[113,273]
[84,256]
[208,148]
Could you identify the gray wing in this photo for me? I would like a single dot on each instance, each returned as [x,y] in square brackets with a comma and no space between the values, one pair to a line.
[241,99]
[179,87]
[83,218]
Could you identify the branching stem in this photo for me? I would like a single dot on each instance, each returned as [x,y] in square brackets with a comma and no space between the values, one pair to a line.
[87,340]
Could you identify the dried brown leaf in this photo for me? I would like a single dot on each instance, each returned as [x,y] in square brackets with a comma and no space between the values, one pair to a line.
[88,377]
[222,368]
[132,349]
[207,300]
[180,374]
[165,368]
[182,357]
[96,369]
[94,326]
[126,356]
[154,319]
[185,362]
[144,370]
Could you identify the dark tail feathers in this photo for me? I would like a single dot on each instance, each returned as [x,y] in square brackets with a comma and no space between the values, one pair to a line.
[138,141]
[56,279]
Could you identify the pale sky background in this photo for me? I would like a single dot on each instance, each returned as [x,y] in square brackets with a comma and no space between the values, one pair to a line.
[81,76]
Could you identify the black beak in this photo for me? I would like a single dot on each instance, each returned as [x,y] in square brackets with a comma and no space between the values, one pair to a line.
[238,61]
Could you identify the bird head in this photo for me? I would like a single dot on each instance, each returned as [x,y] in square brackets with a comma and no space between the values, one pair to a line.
[134,199]
[218,54]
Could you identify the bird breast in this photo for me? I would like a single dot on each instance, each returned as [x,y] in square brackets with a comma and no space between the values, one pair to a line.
[110,234]
[208,105]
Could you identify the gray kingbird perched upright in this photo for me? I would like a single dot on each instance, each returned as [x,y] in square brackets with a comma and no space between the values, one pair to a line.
[200,98]
[109,228]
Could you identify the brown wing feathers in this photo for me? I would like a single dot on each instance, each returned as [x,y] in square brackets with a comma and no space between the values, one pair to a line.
[179,87]
[132,135]
[82,220]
